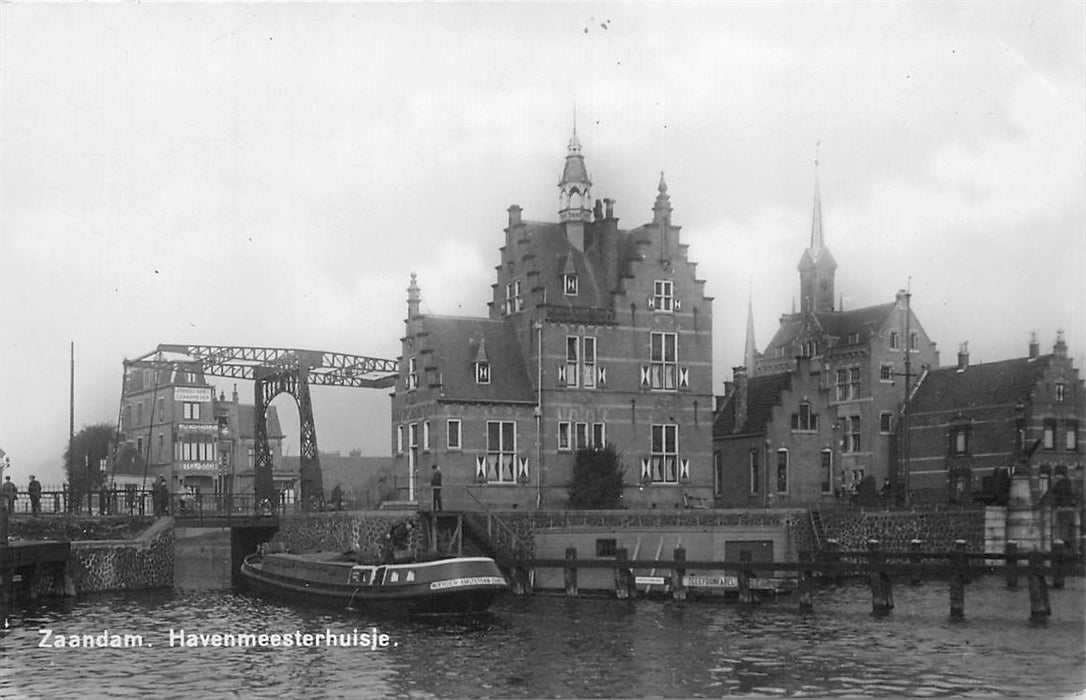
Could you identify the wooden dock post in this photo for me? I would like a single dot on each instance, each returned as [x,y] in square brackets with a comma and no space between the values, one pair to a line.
[1012,566]
[1059,549]
[745,594]
[830,556]
[882,594]
[570,572]
[622,586]
[678,588]
[957,581]
[915,560]
[806,599]
[1039,609]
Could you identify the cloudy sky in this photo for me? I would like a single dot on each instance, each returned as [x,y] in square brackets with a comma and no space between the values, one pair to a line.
[271,174]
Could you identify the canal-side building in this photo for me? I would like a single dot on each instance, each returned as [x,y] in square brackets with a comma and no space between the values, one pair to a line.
[595,335]
[967,423]
[861,357]
[202,443]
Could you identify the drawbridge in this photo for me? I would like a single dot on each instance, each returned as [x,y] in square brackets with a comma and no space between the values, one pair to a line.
[276,371]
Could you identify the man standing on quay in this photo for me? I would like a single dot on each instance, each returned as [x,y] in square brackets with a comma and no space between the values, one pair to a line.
[34,489]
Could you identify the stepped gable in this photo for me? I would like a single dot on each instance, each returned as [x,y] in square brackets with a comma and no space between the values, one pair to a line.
[987,384]
[763,393]
[455,344]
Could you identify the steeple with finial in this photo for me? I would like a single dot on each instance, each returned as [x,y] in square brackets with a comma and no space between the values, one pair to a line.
[574,192]
[750,352]
[817,265]
[661,210]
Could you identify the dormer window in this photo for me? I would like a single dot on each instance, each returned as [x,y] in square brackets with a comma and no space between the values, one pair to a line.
[663,295]
[569,284]
[482,372]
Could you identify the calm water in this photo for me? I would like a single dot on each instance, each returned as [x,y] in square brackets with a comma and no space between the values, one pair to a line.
[557,647]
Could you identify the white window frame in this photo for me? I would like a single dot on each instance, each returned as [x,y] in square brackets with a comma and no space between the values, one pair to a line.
[783,451]
[501,459]
[482,372]
[599,435]
[565,436]
[886,373]
[826,464]
[190,410]
[426,436]
[452,434]
[755,472]
[588,362]
[886,418]
[664,453]
[399,439]
[412,373]
[573,360]
[570,285]
[664,361]
[663,296]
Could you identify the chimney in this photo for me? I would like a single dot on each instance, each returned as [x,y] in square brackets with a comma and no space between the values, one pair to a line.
[235,396]
[1034,348]
[963,356]
[1060,348]
[514,214]
[609,208]
[739,376]
[900,297]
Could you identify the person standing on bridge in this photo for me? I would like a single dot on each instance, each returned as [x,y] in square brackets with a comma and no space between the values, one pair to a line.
[8,492]
[34,489]
[435,486]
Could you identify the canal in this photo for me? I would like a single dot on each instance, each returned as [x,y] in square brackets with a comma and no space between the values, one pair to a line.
[543,646]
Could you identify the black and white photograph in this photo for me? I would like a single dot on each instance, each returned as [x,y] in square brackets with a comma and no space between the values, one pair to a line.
[543,349]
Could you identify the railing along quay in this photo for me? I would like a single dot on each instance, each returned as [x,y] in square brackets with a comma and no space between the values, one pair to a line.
[880,567]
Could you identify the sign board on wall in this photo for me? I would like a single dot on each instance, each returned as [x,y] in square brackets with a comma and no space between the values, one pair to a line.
[192,393]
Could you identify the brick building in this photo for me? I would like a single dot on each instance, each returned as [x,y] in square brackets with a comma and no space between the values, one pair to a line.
[595,335]
[859,356]
[966,423]
[172,419]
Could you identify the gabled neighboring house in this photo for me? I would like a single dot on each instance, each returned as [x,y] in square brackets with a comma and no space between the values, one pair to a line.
[861,355]
[774,440]
[595,334]
[966,422]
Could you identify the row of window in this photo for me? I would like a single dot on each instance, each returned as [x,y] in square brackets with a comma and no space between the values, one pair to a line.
[190,410]
[662,299]
[959,440]
[779,474]
[895,340]
[502,463]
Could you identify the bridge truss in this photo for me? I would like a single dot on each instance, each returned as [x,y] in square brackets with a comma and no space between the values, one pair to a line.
[275,371]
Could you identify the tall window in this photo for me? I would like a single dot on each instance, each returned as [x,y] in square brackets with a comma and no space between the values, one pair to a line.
[895,340]
[580,367]
[573,359]
[514,301]
[161,408]
[452,434]
[805,419]
[782,470]
[599,435]
[827,471]
[852,434]
[842,384]
[564,431]
[399,439]
[755,472]
[959,440]
[426,436]
[665,453]
[190,410]
[1050,433]
[1071,436]
[1061,390]
[886,422]
[581,436]
[412,373]
[663,366]
[854,383]
[914,341]
[663,295]
[588,364]
[501,449]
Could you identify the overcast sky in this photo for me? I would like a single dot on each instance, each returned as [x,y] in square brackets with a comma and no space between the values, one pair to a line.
[272,174]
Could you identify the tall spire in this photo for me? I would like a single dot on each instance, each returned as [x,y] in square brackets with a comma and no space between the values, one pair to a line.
[662,207]
[816,219]
[816,265]
[750,352]
[574,189]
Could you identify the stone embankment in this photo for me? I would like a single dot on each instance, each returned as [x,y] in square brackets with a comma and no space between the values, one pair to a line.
[937,530]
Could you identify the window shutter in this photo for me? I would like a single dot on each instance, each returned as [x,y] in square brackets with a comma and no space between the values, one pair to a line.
[522,469]
[601,376]
[684,377]
[684,469]
[652,302]
[645,473]
[562,374]
[644,375]
[678,304]
[480,468]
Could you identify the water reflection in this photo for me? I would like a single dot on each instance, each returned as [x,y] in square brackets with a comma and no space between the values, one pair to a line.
[558,647]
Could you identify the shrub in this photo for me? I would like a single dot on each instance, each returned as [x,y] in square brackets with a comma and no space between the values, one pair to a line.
[598,478]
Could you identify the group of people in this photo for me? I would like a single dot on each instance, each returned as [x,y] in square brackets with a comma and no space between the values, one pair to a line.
[9,492]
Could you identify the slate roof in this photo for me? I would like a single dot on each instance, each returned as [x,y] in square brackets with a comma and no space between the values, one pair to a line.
[247,422]
[554,254]
[451,346]
[988,384]
[839,324]
[763,393]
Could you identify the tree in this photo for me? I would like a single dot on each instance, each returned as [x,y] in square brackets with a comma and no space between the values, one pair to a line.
[598,478]
[83,457]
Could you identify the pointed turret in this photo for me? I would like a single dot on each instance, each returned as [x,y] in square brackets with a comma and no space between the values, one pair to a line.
[574,193]
[750,352]
[816,265]
[661,209]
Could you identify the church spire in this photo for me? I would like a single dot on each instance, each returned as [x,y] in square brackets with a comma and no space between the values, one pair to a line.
[750,352]
[816,265]
[575,185]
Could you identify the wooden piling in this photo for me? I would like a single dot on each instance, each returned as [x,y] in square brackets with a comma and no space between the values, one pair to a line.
[745,594]
[882,594]
[806,596]
[915,560]
[522,582]
[1012,566]
[678,588]
[957,581]
[1059,550]
[1039,609]
[830,556]
[622,586]
[570,572]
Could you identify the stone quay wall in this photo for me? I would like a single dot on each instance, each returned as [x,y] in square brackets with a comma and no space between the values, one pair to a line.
[116,565]
[936,529]
[362,532]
